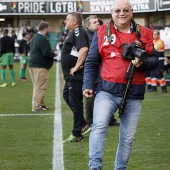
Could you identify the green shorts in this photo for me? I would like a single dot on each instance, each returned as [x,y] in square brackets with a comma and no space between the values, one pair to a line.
[23,59]
[7,59]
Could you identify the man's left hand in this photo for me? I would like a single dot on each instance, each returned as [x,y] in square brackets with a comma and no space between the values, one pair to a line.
[137,62]
[72,71]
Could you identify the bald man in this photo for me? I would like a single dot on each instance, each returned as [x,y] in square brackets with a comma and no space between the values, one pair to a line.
[108,47]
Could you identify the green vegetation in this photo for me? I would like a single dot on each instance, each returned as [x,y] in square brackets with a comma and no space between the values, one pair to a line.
[26,142]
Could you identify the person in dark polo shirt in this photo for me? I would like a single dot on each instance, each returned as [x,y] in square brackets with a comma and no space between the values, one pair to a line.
[73,55]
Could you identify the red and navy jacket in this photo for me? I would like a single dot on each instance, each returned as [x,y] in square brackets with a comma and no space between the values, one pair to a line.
[114,66]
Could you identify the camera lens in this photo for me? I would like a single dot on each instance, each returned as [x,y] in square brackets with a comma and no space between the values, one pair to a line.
[141,54]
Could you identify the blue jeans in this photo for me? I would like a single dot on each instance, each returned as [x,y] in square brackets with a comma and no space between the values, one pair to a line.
[105,105]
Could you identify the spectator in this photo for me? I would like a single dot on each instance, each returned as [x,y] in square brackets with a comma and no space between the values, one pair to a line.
[30,30]
[64,31]
[107,47]
[25,29]
[9,30]
[34,30]
[151,26]
[30,36]
[23,50]
[14,36]
[7,57]
[157,74]
[100,21]
[73,55]
[39,63]
[91,24]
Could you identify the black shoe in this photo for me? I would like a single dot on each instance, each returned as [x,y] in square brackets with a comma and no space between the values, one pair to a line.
[45,108]
[86,129]
[113,122]
[151,90]
[164,91]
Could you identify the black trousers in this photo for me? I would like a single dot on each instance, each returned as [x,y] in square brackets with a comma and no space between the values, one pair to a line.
[73,96]
[158,72]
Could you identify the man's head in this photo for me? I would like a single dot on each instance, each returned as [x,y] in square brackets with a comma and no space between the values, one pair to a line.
[44,27]
[92,23]
[100,21]
[122,13]
[73,20]
[25,35]
[156,34]
[5,32]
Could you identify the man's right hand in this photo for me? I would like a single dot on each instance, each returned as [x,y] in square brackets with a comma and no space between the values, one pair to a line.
[56,53]
[88,93]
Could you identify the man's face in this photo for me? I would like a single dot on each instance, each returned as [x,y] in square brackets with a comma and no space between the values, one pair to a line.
[26,36]
[122,13]
[70,22]
[94,24]
[47,30]
[155,35]
[167,59]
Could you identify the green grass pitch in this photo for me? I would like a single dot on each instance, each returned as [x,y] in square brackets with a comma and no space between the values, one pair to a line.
[26,140]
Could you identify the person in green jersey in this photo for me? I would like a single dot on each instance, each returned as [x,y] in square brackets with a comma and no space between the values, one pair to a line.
[23,50]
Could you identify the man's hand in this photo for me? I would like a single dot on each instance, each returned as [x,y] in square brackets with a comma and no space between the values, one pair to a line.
[137,62]
[73,70]
[88,93]
[80,61]
[56,53]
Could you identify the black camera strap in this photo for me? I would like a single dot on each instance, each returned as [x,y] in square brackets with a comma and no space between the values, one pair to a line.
[109,37]
[138,34]
[129,77]
[108,33]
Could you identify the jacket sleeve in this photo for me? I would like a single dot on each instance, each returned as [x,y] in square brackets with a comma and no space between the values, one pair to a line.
[151,63]
[92,64]
[46,48]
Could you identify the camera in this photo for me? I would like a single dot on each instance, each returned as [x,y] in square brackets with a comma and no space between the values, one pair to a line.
[134,50]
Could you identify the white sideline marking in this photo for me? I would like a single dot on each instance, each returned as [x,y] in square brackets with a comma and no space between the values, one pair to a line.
[58,163]
[5,115]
